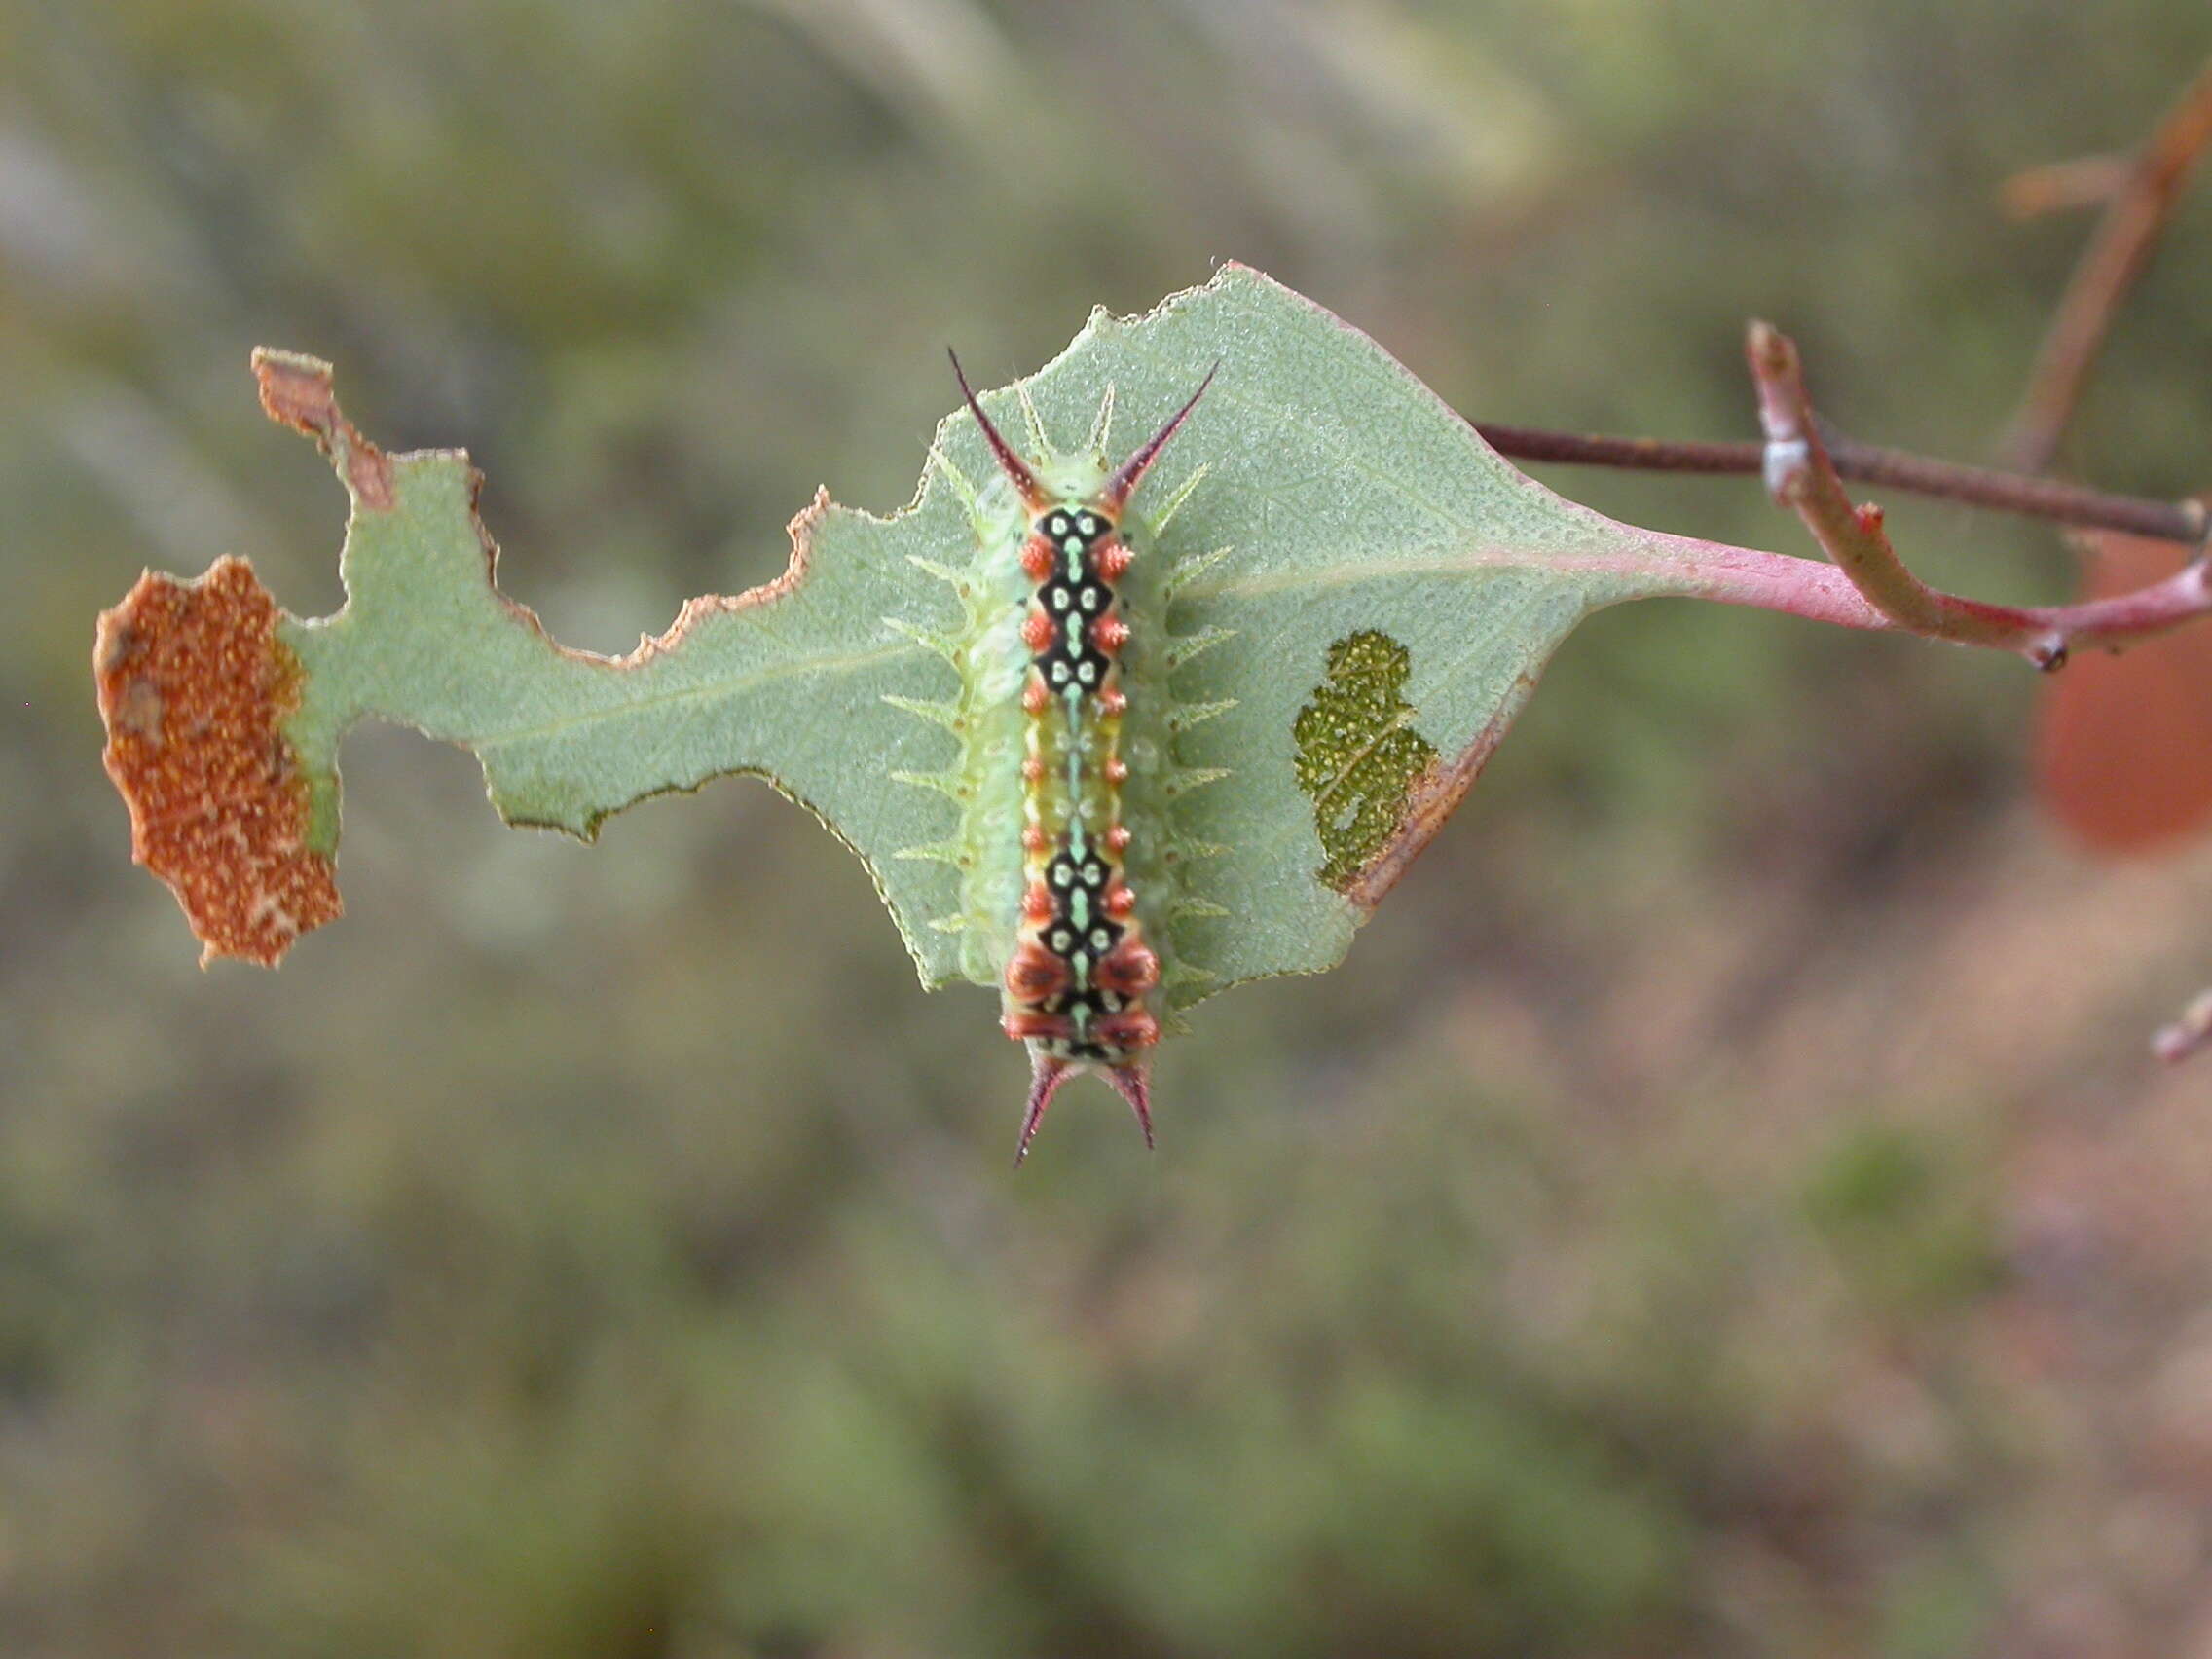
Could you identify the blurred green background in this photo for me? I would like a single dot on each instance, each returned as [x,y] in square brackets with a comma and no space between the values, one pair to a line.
[1724,1207]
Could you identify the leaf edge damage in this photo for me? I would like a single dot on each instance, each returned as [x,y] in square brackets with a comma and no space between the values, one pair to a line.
[197,692]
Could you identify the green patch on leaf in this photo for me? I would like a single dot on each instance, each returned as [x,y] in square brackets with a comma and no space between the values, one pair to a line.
[1359,754]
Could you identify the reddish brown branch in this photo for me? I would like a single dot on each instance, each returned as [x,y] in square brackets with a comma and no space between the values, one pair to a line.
[2115,257]
[1867,464]
[1801,474]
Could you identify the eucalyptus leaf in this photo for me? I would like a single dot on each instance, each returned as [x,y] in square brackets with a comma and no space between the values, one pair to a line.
[1343,597]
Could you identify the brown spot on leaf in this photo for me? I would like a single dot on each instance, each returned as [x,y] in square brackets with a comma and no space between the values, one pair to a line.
[195,685]
[296,391]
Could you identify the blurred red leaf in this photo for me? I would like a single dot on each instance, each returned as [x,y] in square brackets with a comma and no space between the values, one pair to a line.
[2124,748]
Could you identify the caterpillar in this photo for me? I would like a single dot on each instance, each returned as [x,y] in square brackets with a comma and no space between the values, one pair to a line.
[1077,982]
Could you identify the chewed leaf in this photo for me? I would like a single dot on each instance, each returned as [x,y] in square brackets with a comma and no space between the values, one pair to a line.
[1336,599]
[787,680]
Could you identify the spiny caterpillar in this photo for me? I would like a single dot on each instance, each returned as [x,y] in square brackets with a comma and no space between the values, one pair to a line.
[1076,983]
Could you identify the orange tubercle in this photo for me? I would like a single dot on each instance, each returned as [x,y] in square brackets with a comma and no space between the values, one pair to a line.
[1037,558]
[1118,838]
[1130,970]
[1133,1028]
[1109,634]
[1121,900]
[1034,697]
[1037,630]
[1113,561]
[1034,973]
